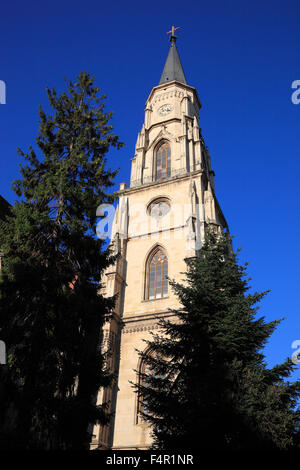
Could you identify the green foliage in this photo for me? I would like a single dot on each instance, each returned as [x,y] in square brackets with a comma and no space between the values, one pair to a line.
[209,387]
[51,310]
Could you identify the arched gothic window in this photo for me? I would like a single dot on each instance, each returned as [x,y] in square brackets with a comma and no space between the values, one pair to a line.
[144,373]
[157,273]
[163,161]
[141,404]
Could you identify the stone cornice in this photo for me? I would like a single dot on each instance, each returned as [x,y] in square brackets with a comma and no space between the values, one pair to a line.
[180,85]
[156,232]
[145,187]
[146,322]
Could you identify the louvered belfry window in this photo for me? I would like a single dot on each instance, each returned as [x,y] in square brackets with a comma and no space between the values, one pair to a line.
[163,161]
[158,273]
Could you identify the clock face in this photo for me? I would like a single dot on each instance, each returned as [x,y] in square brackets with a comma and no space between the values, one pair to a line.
[165,109]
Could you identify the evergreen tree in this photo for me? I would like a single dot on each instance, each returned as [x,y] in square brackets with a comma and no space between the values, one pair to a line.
[205,384]
[51,310]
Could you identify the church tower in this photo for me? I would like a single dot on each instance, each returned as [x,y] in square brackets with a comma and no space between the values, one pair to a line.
[160,220]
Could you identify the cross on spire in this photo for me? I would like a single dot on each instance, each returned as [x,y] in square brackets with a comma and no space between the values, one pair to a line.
[173,69]
[172,32]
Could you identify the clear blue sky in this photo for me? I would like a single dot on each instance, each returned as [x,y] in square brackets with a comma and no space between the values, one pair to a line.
[242,57]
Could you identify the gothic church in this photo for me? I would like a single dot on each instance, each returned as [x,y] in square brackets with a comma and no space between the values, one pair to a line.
[160,221]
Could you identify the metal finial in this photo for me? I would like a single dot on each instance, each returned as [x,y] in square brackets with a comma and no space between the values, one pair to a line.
[172,32]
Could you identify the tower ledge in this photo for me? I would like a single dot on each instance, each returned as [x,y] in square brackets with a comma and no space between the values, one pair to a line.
[184,86]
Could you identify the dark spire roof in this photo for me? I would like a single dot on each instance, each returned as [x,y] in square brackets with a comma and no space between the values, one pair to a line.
[173,69]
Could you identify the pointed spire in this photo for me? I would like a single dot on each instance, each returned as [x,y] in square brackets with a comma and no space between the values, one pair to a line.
[173,69]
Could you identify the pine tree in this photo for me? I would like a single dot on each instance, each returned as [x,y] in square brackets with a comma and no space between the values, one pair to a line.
[51,310]
[205,384]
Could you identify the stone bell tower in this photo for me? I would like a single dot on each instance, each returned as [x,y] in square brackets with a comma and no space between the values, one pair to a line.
[160,221]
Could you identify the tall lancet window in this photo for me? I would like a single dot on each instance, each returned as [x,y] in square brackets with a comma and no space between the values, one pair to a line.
[163,162]
[157,275]
[147,378]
